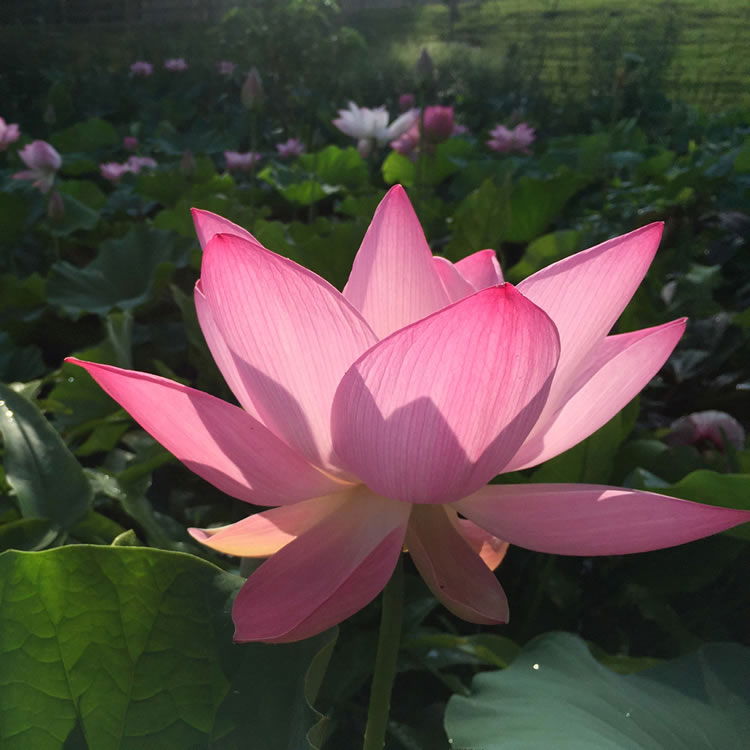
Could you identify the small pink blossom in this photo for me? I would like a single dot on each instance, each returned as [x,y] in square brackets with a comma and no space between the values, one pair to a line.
[407,144]
[176,65]
[518,139]
[136,163]
[241,161]
[406,102]
[438,123]
[142,68]
[290,148]
[707,426]
[130,142]
[113,171]
[9,133]
[43,162]
[460,129]
[372,420]
[225,67]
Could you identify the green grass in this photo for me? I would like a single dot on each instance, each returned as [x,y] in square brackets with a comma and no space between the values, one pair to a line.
[699,48]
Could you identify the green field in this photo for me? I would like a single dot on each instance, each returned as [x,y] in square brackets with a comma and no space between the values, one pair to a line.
[700,49]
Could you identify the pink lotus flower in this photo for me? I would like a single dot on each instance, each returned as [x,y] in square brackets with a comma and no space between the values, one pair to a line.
[241,161]
[290,148]
[517,139]
[136,163]
[9,133]
[374,418]
[176,65]
[438,123]
[370,126]
[142,68]
[225,67]
[113,171]
[707,426]
[43,162]
[130,142]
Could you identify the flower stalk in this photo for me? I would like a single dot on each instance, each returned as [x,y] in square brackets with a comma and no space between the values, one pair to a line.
[389,640]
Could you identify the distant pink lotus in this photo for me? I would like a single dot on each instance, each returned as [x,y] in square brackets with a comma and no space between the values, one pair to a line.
[437,125]
[114,171]
[176,65]
[130,142]
[509,140]
[374,418]
[292,147]
[142,68]
[9,133]
[711,426]
[241,161]
[43,162]
[225,67]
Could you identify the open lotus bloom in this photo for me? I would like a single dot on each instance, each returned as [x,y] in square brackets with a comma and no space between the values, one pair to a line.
[372,419]
[43,161]
[370,126]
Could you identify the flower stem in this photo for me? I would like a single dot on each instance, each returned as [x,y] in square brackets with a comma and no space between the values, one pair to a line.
[386,658]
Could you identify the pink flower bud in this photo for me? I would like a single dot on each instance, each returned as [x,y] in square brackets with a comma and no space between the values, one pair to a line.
[252,92]
[406,101]
[9,133]
[438,124]
[130,142]
[225,67]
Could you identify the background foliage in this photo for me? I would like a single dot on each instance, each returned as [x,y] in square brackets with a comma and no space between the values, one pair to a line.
[113,626]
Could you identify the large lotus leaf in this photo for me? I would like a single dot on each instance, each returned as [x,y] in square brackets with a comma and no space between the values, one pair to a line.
[121,276]
[128,648]
[556,695]
[46,477]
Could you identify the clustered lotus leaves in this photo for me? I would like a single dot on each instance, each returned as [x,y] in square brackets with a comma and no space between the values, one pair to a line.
[371,420]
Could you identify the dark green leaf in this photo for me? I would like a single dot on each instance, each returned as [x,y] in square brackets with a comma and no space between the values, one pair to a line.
[126,648]
[47,479]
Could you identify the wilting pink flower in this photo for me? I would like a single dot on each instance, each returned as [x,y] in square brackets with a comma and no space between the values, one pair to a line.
[43,162]
[142,68]
[176,64]
[406,102]
[370,126]
[225,67]
[516,139]
[374,418]
[9,133]
[130,142]
[251,93]
[241,161]
[113,171]
[290,148]
[707,426]
[438,123]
